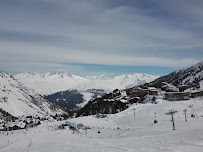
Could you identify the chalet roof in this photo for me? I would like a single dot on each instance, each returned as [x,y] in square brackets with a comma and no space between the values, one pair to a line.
[72,124]
[123,93]
[138,88]
[20,124]
[173,88]
[11,125]
[152,89]
[135,98]
[123,101]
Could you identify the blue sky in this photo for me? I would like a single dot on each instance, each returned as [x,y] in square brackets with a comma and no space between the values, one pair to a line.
[93,37]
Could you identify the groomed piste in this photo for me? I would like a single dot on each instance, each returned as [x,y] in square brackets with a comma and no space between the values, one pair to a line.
[119,132]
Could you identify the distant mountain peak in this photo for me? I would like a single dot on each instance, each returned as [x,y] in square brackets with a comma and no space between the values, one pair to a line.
[61,81]
[62,73]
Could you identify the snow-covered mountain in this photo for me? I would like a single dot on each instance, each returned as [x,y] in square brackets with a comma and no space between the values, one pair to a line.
[99,77]
[192,76]
[50,83]
[17,100]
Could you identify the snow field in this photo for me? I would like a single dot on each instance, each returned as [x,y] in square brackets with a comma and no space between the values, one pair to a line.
[102,132]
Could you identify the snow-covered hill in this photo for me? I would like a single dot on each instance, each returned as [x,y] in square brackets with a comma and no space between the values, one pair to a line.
[50,83]
[192,75]
[17,100]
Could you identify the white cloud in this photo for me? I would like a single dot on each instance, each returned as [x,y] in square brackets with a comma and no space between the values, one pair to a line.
[32,56]
[44,34]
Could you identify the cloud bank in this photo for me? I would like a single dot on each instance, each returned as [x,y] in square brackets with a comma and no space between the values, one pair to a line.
[42,35]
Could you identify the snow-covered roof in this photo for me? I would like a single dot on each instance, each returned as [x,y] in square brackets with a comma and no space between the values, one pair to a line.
[123,93]
[135,98]
[19,124]
[152,88]
[123,101]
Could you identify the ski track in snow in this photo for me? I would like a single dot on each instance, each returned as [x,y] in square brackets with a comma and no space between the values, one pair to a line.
[135,134]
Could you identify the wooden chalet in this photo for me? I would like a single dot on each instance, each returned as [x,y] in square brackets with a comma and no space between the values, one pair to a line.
[176,96]
[141,92]
[196,94]
[14,127]
[171,89]
[153,91]
[73,125]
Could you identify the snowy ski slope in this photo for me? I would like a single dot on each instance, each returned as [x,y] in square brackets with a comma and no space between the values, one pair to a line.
[137,133]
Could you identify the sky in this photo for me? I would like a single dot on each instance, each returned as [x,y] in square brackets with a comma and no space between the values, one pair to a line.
[94,37]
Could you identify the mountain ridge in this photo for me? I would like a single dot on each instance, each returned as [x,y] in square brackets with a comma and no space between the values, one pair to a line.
[192,76]
[16,99]
[61,81]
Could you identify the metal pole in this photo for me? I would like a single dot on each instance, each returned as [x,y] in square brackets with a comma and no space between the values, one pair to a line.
[172,112]
[173,121]
[7,124]
[134,113]
[185,111]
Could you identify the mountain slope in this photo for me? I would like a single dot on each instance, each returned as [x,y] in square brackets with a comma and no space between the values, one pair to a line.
[49,83]
[17,100]
[192,75]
